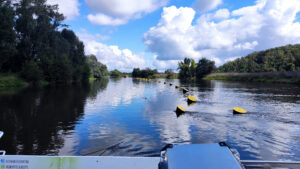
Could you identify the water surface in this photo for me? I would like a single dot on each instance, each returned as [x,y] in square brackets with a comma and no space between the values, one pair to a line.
[126,117]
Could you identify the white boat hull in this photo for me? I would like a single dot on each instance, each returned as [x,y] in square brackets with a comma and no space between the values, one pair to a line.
[77,162]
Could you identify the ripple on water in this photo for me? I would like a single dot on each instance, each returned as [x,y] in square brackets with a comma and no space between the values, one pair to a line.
[135,118]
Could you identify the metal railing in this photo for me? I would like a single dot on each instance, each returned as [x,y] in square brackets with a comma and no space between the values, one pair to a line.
[2,152]
[269,164]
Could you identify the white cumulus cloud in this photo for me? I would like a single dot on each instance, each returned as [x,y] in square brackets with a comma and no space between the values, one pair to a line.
[112,56]
[171,39]
[223,34]
[70,8]
[101,19]
[162,65]
[83,34]
[222,14]
[118,12]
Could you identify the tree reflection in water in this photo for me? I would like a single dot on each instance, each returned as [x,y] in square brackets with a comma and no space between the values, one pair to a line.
[35,121]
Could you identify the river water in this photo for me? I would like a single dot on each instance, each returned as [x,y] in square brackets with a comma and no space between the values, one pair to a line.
[126,117]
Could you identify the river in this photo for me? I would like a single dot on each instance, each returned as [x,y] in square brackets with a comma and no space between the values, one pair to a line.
[127,117]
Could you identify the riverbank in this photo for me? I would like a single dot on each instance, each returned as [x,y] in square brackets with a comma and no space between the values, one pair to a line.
[165,76]
[11,81]
[268,77]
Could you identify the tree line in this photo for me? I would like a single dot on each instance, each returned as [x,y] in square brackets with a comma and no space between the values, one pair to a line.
[170,74]
[188,69]
[144,73]
[35,44]
[97,69]
[280,59]
[116,73]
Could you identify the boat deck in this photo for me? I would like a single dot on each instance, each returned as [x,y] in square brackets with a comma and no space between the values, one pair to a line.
[77,162]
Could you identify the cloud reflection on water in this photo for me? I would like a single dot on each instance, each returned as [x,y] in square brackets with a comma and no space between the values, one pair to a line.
[139,118]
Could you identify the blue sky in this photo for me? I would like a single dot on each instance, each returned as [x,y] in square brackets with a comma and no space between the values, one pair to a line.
[130,35]
[124,34]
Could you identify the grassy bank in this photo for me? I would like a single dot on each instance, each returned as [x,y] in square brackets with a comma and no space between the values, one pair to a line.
[164,76]
[91,79]
[268,77]
[11,81]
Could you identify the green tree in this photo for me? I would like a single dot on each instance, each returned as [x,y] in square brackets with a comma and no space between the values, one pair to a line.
[116,73]
[7,35]
[204,67]
[76,56]
[169,73]
[98,70]
[36,23]
[61,70]
[148,73]
[136,72]
[187,68]
[59,54]
[285,58]
[144,73]
[31,72]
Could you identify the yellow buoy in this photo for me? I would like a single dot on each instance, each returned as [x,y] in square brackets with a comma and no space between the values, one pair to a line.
[165,82]
[177,86]
[238,110]
[185,90]
[191,103]
[180,109]
[191,99]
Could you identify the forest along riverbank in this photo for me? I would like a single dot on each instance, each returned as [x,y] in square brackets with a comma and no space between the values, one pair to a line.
[271,77]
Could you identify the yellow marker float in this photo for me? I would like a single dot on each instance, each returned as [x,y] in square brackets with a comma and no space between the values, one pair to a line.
[191,103]
[192,99]
[180,109]
[238,110]
[177,86]
[185,90]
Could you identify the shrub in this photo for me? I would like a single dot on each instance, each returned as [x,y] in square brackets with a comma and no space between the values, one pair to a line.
[116,73]
[31,72]
[204,67]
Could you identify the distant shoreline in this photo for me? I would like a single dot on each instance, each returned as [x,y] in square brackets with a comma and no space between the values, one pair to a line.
[269,77]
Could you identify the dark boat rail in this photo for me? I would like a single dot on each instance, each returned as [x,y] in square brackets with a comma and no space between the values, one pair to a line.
[269,164]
